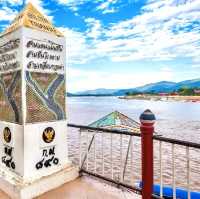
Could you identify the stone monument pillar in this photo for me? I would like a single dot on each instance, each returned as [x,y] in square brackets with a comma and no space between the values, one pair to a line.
[33,125]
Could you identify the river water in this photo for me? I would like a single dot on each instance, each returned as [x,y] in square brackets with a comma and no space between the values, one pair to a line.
[180,120]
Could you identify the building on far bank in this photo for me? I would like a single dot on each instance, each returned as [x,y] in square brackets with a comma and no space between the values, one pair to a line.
[197,91]
[163,94]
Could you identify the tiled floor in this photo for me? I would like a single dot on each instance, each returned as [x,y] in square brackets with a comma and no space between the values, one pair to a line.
[3,196]
[85,188]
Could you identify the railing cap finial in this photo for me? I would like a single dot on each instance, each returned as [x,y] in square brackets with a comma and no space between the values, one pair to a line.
[147,117]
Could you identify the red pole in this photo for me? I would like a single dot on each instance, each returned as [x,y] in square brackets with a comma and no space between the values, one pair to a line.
[147,120]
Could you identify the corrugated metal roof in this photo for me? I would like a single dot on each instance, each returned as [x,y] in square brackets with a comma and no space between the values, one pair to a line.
[116,120]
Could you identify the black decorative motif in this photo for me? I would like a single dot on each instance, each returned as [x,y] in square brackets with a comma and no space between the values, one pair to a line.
[8,151]
[7,159]
[48,159]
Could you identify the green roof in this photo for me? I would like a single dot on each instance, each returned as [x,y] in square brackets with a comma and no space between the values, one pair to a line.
[115,120]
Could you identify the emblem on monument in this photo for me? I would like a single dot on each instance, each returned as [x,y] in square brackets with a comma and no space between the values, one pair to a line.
[7,134]
[48,135]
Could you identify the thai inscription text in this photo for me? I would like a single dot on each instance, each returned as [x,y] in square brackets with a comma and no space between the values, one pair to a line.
[8,55]
[44,55]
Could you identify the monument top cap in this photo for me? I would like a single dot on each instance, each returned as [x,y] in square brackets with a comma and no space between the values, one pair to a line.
[30,17]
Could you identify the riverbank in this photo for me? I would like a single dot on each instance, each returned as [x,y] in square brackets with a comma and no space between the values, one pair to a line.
[163,98]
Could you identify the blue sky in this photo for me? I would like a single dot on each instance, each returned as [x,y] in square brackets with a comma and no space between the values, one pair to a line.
[122,43]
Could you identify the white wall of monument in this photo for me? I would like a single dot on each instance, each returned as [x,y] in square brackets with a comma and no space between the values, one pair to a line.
[27,149]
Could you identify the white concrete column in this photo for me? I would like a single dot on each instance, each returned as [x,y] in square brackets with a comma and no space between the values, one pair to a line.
[33,123]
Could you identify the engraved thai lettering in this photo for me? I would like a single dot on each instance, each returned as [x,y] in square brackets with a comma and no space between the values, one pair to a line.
[47,163]
[54,57]
[49,152]
[8,151]
[56,161]
[45,153]
[39,165]
[42,55]
[9,66]
[49,45]
[10,45]
[8,60]
[44,66]
[48,158]
[7,57]
[52,151]
[7,159]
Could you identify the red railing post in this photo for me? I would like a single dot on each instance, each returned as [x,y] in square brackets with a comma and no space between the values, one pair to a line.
[147,120]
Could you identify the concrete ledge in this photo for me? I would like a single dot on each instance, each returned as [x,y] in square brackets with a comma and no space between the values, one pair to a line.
[17,190]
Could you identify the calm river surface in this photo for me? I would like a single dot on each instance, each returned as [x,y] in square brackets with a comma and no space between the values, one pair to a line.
[174,119]
[180,120]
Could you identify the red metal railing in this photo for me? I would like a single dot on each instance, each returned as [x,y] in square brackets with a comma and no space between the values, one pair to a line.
[147,120]
[96,139]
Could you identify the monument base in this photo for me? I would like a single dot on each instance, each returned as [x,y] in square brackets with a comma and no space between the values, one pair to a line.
[17,189]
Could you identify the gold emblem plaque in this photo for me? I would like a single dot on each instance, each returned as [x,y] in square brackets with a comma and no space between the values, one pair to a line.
[48,135]
[7,134]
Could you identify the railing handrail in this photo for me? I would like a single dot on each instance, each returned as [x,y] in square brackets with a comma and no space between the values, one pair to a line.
[155,137]
[104,130]
[177,141]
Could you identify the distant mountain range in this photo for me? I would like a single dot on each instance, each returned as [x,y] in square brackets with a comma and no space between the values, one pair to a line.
[158,87]
[99,91]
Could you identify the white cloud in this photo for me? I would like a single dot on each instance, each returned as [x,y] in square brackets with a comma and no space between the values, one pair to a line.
[7,14]
[153,35]
[74,4]
[166,69]
[150,35]
[39,4]
[14,2]
[95,28]
[108,6]
[11,2]
[196,65]
[159,33]
[81,79]
[78,49]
